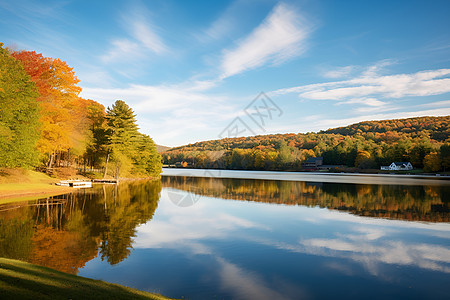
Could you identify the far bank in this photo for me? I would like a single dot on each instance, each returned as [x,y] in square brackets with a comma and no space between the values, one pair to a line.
[357,178]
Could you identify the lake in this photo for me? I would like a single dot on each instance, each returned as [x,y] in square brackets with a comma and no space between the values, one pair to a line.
[234,238]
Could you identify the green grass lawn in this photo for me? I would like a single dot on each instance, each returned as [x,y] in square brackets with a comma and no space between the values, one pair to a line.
[23,185]
[20,280]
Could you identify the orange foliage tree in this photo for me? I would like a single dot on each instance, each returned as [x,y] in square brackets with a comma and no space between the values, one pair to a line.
[63,112]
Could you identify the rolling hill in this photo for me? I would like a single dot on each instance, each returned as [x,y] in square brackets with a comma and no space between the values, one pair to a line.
[368,144]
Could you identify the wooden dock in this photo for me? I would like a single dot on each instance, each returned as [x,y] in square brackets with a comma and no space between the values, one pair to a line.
[111,181]
[75,183]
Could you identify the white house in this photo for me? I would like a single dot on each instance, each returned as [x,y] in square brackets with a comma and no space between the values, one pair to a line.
[398,166]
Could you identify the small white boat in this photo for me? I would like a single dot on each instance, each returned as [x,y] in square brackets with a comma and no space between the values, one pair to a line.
[75,183]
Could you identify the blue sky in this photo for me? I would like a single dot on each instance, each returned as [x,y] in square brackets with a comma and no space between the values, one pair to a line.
[195,70]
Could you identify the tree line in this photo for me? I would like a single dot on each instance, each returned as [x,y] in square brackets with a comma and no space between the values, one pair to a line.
[44,121]
[423,141]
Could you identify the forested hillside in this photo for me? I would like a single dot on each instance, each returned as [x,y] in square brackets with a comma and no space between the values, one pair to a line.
[161,148]
[45,123]
[436,128]
[423,141]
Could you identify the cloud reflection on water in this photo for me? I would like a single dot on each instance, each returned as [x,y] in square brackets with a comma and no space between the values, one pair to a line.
[370,243]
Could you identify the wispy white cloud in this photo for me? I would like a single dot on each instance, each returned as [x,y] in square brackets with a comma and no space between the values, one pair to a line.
[156,98]
[367,101]
[425,256]
[339,72]
[122,49]
[444,103]
[29,11]
[394,86]
[226,23]
[246,284]
[172,112]
[189,226]
[142,38]
[280,37]
[95,76]
[385,108]
[376,68]
[370,84]
[370,242]
[143,33]
[32,27]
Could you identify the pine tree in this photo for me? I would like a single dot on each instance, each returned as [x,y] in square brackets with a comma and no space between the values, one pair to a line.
[147,161]
[131,152]
[122,128]
[19,114]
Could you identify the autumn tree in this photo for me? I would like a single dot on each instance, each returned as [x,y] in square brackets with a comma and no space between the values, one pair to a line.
[19,114]
[432,162]
[419,151]
[61,117]
[96,149]
[363,160]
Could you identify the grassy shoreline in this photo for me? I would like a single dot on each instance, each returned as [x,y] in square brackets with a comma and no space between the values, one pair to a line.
[22,185]
[21,280]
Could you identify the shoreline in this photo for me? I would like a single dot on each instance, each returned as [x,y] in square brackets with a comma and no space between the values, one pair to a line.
[24,192]
[22,185]
[355,178]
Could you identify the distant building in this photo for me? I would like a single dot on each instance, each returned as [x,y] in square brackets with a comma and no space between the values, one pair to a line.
[312,163]
[398,166]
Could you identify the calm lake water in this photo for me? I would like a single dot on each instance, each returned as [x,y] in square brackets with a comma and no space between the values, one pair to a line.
[216,238]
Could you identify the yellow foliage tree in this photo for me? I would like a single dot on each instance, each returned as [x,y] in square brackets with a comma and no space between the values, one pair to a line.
[62,111]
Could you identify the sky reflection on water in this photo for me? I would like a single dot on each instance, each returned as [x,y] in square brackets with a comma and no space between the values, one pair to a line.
[220,248]
[213,238]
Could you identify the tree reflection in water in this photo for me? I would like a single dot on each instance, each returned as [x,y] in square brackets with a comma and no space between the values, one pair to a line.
[414,203]
[64,232]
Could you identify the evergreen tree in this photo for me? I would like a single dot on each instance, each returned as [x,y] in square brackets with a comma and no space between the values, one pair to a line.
[132,153]
[19,114]
[147,161]
[121,132]
[122,128]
